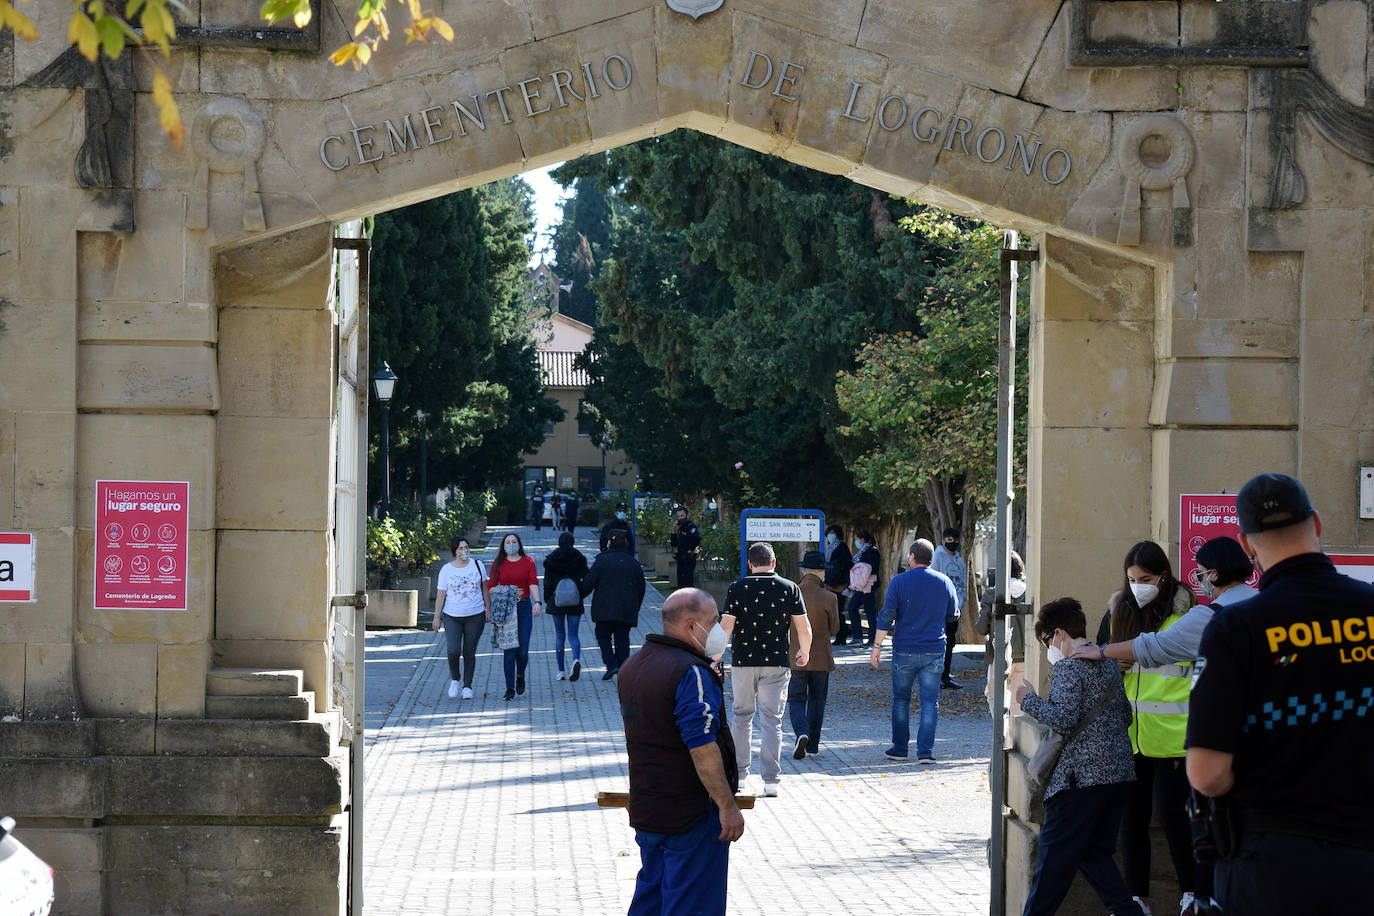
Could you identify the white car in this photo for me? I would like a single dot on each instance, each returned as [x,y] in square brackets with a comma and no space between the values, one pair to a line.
[25,879]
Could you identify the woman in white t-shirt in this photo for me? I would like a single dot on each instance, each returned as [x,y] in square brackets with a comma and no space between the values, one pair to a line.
[462,607]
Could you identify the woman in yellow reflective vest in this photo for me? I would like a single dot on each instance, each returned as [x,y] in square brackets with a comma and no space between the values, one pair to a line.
[1151,601]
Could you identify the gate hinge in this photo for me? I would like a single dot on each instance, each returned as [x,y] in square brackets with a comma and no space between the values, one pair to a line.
[358,600]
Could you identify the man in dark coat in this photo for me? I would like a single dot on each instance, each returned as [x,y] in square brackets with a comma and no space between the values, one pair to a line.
[685,540]
[570,506]
[616,584]
[621,522]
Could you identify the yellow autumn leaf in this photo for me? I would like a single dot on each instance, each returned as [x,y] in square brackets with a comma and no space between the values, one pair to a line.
[302,18]
[383,29]
[20,24]
[361,27]
[415,11]
[169,116]
[345,54]
[443,28]
[364,54]
[83,33]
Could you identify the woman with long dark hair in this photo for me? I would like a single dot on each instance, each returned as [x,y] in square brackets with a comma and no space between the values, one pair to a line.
[838,560]
[567,562]
[861,602]
[512,567]
[1152,600]
[462,608]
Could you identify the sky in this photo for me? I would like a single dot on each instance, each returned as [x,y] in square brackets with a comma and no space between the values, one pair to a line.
[548,207]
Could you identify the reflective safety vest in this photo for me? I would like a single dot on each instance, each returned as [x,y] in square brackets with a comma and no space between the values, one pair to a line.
[1159,704]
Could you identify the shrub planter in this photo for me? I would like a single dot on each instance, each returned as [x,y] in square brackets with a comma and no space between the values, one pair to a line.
[422,585]
[392,607]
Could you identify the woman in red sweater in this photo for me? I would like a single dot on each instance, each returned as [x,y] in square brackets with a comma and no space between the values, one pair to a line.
[512,567]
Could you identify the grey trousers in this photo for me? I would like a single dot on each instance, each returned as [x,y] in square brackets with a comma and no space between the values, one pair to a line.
[764,690]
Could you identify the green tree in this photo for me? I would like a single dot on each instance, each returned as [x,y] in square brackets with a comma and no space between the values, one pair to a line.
[738,285]
[448,315]
[921,405]
[581,242]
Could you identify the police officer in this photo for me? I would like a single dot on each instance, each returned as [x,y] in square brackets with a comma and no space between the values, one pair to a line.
[621,522]
[684,540]
[1281,719]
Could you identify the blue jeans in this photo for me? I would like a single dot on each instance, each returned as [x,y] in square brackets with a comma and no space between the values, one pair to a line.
[515,660]
[682,874]
[858,603]
[908,667]
[565,627]
[806,693]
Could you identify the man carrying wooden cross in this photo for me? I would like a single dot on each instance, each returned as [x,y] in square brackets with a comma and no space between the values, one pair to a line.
[683,777]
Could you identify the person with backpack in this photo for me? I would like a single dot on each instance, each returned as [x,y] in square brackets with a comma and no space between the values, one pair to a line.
[564,570]
[462,607]
[863,583]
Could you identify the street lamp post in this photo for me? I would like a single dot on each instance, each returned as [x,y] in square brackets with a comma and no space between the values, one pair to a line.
[424,462]
[383,385]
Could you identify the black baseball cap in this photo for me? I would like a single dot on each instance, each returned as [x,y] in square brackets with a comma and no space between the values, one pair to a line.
[1271,501]
[813,559]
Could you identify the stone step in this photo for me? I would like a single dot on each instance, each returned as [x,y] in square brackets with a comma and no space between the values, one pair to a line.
[313,737]
[253,682]
[260,707]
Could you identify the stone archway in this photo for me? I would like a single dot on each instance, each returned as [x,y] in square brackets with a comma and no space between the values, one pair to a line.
[1197,307]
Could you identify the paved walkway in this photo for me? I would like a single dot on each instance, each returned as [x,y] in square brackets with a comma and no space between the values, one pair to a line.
[487,806]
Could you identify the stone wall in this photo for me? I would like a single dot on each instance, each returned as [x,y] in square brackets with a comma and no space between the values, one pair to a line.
[1200,308]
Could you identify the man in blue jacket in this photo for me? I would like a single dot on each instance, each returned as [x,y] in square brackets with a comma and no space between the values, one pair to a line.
[918,603]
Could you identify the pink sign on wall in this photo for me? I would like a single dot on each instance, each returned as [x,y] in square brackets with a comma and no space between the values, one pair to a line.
[1201,517]
[141,529]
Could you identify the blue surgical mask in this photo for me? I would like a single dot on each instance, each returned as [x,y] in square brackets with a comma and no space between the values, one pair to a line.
[620,515]
[512,549]
[831,540]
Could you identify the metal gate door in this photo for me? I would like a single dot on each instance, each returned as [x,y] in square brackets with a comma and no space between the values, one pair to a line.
[348,631]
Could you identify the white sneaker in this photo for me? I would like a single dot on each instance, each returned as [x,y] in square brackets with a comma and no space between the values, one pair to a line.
[561,677]
[452,689]
[467,693]
[1186,904]
[1145,909]
[770,788]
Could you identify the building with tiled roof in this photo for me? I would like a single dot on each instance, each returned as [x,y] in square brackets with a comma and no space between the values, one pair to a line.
[568,460]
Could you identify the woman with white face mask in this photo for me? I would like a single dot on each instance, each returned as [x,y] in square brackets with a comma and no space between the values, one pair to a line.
[1221,575]
[1150,604]
[1087,791]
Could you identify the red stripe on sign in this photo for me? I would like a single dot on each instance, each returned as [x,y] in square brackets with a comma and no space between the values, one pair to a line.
[15,538]
[15,594]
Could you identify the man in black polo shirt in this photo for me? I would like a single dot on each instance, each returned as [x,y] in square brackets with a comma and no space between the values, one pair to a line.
[682,762]
[760,611]
[1281,719]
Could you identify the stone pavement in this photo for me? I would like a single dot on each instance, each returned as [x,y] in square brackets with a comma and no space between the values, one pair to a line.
[487,806]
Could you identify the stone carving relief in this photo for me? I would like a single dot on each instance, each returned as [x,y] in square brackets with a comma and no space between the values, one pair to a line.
[105,160]
[1348,126]
[1155,153]
[695,8]
[228,136]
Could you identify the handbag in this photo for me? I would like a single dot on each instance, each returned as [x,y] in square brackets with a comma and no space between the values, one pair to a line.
[1046,756]
[505,632]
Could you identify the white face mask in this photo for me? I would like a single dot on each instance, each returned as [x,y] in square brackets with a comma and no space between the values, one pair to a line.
[512,549]
[1144,593]
[1209,587]
[1054,654]
[715,640]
